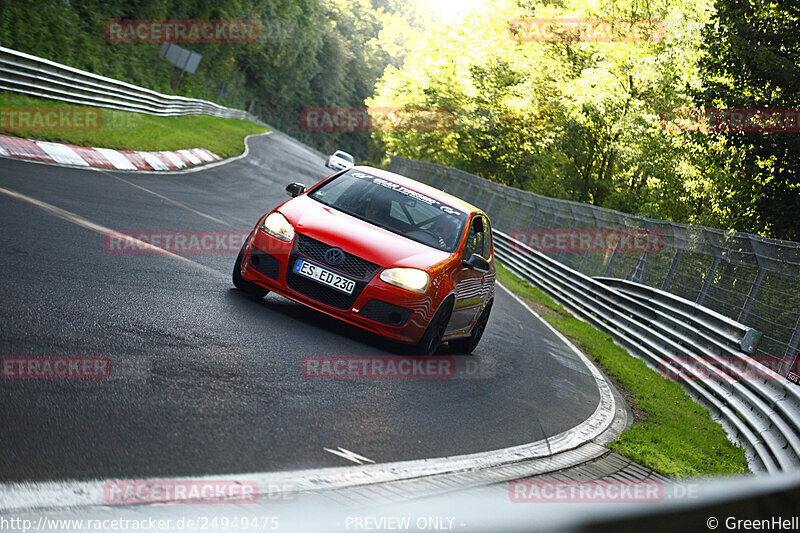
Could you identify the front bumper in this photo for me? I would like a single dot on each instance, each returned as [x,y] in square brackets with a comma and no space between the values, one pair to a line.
[376,306]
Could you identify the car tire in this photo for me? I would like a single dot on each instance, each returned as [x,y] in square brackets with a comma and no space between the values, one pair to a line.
[244,285]
[468,344]
[432,337]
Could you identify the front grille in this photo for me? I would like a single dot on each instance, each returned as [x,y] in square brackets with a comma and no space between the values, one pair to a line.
[321,293]
[352,265]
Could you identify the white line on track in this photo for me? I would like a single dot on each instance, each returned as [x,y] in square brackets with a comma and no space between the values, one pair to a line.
[173,202]
[350,456]
[28,495]
[52,494]
[88,224]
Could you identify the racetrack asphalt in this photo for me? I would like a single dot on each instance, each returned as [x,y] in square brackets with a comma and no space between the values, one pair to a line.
[206,380]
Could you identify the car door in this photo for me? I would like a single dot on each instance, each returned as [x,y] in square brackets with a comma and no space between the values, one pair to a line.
[469,283]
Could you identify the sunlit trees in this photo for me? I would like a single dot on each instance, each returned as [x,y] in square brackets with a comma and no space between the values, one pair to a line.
[751,59]
[573,119]
[309,53]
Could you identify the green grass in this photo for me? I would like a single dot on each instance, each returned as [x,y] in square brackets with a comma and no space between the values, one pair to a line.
[675,435]
[133,131]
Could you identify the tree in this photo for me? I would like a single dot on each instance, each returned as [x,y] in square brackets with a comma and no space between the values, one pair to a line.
[751,56]
[572,119]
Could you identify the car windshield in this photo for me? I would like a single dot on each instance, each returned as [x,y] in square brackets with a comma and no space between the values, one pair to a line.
[345,156]
[395,208]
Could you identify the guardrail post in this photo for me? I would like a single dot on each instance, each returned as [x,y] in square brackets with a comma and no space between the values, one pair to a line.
[791,355]
[637,270]
[535,205]
[536,220]
[585,259]
[712,240]
[753,293]
[621,222]
[675,260]
[553,213]
[572,227]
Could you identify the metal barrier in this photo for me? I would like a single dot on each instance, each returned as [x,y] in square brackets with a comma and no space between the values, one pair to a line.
[35,76]
[709,354]
[753,280]
[757,406]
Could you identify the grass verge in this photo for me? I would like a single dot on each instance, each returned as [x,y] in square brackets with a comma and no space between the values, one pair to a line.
[122,130]
[671,434]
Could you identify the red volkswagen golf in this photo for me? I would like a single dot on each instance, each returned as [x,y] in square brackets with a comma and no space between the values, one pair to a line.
[380,251]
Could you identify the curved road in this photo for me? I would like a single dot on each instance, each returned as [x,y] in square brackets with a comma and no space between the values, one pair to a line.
[206,380]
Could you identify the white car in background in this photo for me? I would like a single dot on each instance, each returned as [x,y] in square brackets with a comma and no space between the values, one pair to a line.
[340,160]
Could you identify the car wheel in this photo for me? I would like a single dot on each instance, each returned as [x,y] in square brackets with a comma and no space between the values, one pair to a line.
[432,337]
[468,344]
[244,285]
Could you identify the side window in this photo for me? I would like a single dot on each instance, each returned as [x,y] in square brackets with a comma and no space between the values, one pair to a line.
[469,247]
[487,239]
[476,237]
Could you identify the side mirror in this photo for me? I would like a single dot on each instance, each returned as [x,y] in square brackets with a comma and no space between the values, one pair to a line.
[295,189]
[477,263]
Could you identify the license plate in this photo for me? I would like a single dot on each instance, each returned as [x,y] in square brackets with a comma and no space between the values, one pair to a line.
[324,276]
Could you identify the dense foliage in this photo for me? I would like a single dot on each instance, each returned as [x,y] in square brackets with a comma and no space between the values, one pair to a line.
[572,119]
[751,57]
[591,121]
[309,53]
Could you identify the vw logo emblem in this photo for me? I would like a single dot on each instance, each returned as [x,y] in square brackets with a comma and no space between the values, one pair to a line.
[334,256]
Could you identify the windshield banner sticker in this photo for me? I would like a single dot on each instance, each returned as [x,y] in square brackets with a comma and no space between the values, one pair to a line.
[405,191]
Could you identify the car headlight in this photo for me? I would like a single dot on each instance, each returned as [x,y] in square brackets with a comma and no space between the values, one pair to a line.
[410,279]
[276,225]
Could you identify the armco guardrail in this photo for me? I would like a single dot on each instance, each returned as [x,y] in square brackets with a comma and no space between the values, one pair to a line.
[757,406]
[710,354]
[35,76]
[721,326]
[753,280]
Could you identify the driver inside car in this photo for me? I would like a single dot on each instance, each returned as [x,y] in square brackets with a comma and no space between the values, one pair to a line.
[444,227]
[377,210]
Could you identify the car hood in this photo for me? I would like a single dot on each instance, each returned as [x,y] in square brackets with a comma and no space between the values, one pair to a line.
[358,237]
